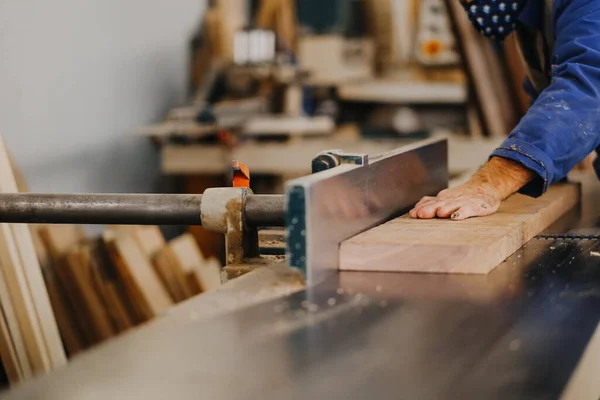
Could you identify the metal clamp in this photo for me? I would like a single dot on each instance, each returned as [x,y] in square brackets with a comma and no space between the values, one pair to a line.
[332,158]
[222,211]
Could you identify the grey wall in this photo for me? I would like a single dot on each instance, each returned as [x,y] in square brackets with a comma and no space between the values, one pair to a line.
[78,76]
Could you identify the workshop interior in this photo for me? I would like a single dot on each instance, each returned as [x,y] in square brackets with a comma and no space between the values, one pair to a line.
[207,199]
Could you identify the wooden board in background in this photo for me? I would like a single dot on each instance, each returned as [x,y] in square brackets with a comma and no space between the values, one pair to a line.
[65,316]
[150,239]
[152,243]
[141,281]
[13,349]
[480,62]
[475,246]
[201,274]
[26,285]
[106,283]
[206,277]
[8,354]
[172,277]
[58,240]
[97,317]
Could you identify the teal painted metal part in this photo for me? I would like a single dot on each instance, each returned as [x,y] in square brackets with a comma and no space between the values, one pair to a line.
[296,227]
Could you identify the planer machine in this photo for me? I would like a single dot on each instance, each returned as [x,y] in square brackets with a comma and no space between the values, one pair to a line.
[527,330]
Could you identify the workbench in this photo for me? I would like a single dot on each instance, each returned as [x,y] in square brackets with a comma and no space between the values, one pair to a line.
[520,332]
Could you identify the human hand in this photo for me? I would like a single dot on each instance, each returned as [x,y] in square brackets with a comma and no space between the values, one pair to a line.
[460,203]
[480,196]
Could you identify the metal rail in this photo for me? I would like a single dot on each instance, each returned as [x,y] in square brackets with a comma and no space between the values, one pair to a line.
[127,209]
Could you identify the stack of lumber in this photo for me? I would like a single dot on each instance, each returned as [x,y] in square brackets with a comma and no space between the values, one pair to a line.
[62,291]
[29,338]
[101,287]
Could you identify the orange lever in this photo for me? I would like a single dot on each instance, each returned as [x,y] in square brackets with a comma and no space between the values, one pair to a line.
[241,175]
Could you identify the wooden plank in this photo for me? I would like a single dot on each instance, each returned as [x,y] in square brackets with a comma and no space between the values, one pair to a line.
[207,276]
[278,16]
[26,285]
[187,252]
[150,240]
[13,350]
[404,92]
[105,281]
[475,246]
[65,315]
[58,241]
[172,277]
[284,124]
[141,281]
[187,260]
[8,354]
[97,318]
[475,51]
[184,256]
[152,243]
[233,17]
[74,300]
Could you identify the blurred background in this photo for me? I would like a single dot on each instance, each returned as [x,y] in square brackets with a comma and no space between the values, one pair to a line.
[135,96]
[80,78]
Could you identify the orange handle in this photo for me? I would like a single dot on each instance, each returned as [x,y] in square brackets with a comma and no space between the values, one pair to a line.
[241,175]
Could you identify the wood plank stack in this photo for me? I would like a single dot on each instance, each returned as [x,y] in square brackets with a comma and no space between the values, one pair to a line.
[29,337]
[101,287]
[62,292]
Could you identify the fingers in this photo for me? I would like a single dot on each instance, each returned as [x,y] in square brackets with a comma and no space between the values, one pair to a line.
[446,210]
[455,210]
[429,210]
[458,204]
[470,210]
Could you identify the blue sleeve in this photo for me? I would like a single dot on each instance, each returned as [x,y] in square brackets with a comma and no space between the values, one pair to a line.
[563,124]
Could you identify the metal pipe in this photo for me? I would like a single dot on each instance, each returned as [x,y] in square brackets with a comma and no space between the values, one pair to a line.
[265,210]
[122,209]
[127,209]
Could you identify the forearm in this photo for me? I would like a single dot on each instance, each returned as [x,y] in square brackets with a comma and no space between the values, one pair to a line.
[505,177]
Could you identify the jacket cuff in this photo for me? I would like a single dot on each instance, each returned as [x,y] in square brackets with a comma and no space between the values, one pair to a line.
[532,158]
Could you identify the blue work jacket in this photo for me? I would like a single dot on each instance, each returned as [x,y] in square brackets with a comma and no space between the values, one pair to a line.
[562,126]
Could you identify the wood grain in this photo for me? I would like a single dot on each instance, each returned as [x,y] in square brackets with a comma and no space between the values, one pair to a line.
[474,246]
[150,239]
[97,317]
[58,240]
[201,274]
[484,78]
[104,277]
[65,316]
[207,276]
[141,281]
[171,275]
[26,285]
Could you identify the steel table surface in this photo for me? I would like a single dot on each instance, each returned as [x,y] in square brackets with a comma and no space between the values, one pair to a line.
[517,333]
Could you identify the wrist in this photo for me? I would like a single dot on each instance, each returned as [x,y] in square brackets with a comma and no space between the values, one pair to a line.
[502,177]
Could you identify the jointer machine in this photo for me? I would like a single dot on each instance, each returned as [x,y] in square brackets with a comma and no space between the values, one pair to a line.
[525,331]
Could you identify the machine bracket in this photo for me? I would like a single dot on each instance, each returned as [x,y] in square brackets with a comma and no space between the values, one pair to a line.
[222,211]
